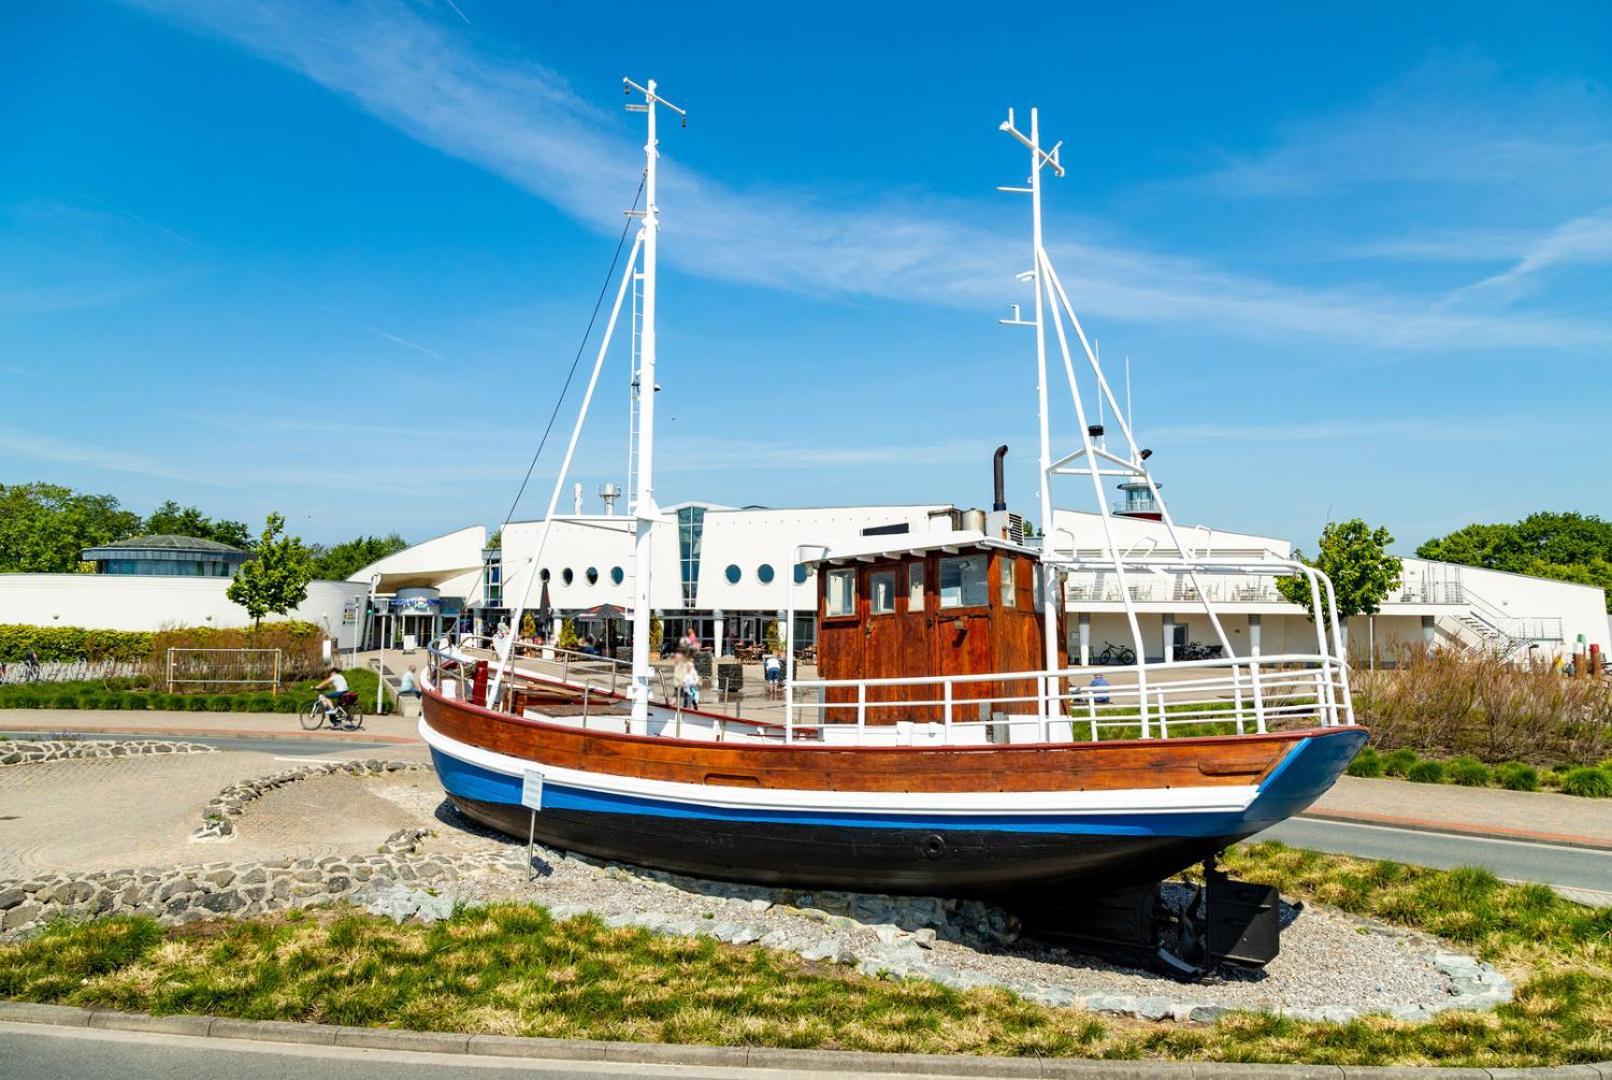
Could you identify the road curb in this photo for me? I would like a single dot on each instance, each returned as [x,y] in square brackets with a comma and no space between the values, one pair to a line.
[832,1062]
[1446,828]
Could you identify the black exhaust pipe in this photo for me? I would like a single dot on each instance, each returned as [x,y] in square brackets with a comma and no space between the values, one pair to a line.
[1000,502]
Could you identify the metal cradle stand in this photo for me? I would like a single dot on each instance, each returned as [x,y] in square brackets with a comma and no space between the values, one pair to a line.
[1226,922]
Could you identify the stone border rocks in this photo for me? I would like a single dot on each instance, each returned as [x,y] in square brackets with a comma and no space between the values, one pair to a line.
[205,891]
[34,751]
[232,801]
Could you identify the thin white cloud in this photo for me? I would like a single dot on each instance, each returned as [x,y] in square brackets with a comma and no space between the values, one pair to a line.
[30,444]
[407,344]
[1586,239]
[1454,121]
[523,122]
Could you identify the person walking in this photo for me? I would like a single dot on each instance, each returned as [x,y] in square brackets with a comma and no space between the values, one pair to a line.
[772,670]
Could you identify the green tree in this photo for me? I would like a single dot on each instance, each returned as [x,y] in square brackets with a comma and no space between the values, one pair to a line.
[341,561]
[172,519]
[1355,556]
[44,527]
[1564,546]
[568,637]
[275,579]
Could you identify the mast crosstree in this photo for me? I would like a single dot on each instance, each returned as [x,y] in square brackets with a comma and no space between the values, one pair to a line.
[643,497]
[1091,457]
[639,279]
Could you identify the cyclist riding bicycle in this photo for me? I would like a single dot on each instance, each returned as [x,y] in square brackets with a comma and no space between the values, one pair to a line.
[337,682]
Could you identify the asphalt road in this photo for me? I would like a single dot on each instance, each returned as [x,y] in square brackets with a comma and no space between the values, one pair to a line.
[1514,860]
[38,1052]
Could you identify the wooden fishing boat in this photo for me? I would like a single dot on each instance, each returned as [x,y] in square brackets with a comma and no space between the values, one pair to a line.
[946,745]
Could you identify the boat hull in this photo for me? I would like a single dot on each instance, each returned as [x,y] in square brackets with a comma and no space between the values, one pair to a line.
[990,843]
[947,862]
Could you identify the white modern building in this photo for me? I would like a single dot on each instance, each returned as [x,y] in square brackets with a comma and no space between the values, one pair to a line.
[155,602]
[728,572]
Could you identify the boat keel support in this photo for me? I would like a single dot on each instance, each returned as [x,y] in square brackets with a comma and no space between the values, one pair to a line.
[1226,922]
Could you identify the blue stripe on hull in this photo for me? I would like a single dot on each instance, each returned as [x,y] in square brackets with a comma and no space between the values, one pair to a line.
[1307,771]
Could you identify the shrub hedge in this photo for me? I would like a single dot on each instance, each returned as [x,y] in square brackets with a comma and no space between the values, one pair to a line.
[1589,781]
[132,694]
[67,643]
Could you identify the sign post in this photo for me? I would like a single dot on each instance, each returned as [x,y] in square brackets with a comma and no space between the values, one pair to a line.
[532,799]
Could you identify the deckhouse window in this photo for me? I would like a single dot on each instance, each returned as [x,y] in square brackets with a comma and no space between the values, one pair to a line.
[841,592]
[1010,596]
[882,592]
[915,586]
[962,582]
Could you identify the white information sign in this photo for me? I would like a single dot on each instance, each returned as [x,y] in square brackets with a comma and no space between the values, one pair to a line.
[532,789]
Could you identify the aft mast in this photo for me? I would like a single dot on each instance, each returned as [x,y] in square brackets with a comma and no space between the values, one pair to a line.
[643,497]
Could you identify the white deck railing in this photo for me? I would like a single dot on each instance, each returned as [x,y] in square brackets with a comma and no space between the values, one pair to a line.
[1237,695]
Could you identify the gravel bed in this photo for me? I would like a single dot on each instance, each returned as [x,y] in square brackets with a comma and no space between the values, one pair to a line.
[1333,966]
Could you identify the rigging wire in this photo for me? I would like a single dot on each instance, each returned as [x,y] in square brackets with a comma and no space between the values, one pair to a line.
[581,347]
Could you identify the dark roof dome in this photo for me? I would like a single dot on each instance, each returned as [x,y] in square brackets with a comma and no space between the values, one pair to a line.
[164,542]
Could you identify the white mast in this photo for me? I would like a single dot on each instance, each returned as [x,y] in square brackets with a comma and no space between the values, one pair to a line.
[1049,582]
[644,507]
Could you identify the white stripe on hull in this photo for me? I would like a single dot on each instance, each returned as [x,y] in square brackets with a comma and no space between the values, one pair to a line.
[1223,798]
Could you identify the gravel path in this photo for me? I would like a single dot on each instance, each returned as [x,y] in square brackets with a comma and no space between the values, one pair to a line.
[1330,963]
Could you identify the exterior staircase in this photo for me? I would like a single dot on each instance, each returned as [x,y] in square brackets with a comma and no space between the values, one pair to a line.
[1485,628]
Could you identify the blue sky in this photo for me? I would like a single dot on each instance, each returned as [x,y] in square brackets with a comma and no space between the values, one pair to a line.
[334,260]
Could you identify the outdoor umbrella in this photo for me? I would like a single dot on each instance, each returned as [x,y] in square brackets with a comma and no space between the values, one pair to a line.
[544,615]
[609,613]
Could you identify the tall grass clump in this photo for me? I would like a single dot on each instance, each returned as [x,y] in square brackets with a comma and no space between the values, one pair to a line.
[1516,776]
[1367,763]
[1398,762]
[1454,702]
[1588,782]
[1426,772]
[1470,772]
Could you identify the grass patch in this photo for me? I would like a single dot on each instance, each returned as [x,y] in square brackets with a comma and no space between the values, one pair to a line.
[511,969]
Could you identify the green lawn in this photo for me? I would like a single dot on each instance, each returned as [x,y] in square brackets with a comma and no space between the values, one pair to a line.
[510,969]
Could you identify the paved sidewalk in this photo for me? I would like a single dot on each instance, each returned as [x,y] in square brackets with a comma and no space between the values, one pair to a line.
[377,729]
[1541,817]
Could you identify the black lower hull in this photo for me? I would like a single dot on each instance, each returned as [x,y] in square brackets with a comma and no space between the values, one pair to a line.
[962,862]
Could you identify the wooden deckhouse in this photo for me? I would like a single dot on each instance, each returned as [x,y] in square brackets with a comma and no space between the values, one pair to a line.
[958,605]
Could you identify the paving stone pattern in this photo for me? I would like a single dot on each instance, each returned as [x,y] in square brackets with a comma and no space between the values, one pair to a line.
[233,800]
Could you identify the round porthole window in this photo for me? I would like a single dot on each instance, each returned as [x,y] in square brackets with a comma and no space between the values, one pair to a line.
[593,575]
[617,574]
[800,574]
[543,573]
[566,575]
[764,572]
[733,573]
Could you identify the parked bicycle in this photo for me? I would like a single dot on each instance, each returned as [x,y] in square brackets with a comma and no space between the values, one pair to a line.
[1116,654]
[343,713]
[1197,650]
